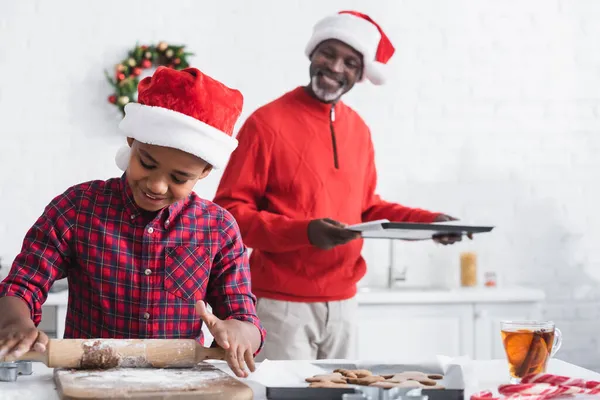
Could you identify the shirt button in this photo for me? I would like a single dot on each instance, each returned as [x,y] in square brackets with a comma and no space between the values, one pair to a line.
[150,230]
[148,271]
[146,315]
[132,216]
[167,222]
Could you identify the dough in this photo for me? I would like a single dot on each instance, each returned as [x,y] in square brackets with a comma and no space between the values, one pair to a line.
[354,373]
[412,376]
[328,384]
[335,377]
[390,385]
[345,377]
[366,381]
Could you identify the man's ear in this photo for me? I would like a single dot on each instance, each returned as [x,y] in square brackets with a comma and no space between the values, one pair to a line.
[130,141]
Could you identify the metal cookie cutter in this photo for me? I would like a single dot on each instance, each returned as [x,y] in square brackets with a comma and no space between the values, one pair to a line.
[9,371]
[373,393]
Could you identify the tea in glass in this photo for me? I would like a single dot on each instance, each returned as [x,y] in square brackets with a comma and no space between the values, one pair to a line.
[529,346]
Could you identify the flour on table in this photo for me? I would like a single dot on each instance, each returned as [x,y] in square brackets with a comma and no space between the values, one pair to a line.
[140,379]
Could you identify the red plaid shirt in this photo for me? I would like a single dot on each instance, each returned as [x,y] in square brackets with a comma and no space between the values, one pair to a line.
[133,274]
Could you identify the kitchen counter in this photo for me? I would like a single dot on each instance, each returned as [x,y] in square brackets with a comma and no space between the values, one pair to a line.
[484,375]
[418,295]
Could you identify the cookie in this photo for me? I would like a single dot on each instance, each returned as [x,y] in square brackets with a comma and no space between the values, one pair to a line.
[366,380]
[348,373]
[411,376]
[436,377]
[328,384]
[335,377]
[354,373]
[390,385]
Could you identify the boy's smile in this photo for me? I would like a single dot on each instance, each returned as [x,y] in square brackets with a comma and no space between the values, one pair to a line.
[160,176]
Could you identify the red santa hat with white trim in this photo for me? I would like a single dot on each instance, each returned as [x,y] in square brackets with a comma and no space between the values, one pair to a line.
[185,110]
[363,34]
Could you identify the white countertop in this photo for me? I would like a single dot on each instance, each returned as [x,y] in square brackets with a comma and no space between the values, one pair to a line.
[485,375]
[408,295]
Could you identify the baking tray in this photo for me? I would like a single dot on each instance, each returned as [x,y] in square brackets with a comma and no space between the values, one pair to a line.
[306,393]
[414,230]
[453,381]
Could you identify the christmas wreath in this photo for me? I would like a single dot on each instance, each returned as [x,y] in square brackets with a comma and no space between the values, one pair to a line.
[126,75]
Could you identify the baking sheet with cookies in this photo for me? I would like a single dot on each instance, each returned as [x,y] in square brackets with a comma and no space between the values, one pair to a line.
[380,381]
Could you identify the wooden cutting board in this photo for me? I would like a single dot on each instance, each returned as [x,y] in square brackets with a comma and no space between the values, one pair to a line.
[204,381]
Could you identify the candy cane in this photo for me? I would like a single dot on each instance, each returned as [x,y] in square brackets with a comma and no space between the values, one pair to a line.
[541,387]
[486,395]
[532,389]
[560,380]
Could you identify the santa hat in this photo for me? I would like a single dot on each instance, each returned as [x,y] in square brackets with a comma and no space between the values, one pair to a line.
[363,34]
[185,110]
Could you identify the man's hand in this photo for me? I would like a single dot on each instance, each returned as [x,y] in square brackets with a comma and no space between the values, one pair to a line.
[326,233]
[234,337]
[449,238]
[21,336]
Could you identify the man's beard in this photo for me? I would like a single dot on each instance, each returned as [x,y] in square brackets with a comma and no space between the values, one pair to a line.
[323,95]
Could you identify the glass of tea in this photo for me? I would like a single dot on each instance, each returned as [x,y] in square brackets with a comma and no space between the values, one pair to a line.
[528,346]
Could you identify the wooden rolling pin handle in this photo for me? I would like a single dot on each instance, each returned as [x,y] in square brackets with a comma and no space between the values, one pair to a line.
[210,353]
[30,356]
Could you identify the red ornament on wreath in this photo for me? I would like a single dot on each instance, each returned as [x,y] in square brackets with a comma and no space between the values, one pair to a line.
[124,79]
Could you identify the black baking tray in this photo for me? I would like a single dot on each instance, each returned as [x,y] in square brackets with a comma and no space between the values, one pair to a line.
[421,231]
[306,393]
[445,394]
[300,393]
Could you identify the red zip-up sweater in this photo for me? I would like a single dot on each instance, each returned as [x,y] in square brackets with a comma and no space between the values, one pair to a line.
[299,159]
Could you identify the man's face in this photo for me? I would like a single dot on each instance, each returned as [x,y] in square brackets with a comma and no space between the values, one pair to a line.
[160,176]
[334,69]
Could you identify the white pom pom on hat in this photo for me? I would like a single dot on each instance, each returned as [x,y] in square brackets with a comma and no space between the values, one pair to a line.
[122,157]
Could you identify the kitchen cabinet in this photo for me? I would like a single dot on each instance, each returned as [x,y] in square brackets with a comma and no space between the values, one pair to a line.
[410,332]
[396,325]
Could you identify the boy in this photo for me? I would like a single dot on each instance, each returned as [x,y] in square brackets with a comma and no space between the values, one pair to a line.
[142,253]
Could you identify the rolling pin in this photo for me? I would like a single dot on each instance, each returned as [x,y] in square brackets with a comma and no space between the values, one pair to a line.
[124,353]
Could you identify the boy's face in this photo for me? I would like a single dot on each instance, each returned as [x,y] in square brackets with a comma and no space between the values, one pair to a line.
[160,176]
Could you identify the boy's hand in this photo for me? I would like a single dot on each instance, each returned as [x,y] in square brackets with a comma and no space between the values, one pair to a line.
[21,336]
[234,337]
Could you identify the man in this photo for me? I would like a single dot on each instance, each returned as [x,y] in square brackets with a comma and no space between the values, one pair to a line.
[303,169]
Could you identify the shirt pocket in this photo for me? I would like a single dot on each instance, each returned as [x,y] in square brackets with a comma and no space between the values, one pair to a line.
[187,270]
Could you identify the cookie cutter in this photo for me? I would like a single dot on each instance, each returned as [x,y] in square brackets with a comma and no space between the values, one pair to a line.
[374,393]
[9,371]
[355,396]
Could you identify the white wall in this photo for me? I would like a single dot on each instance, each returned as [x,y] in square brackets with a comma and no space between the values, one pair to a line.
[493,117]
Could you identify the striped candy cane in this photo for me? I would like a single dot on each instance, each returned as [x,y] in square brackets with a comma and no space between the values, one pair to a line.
[532,389]
[541,387]
[560,380]
[487,395]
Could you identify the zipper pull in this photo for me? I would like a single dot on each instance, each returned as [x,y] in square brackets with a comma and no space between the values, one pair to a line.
[332,113]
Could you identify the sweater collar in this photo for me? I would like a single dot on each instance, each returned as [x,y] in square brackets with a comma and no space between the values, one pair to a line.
[315,106]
